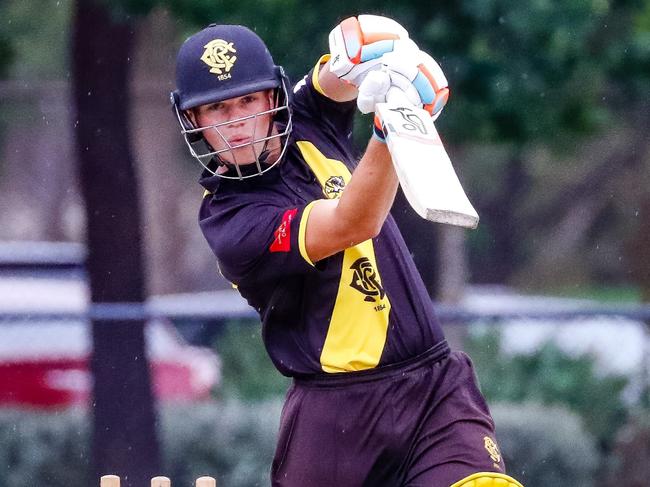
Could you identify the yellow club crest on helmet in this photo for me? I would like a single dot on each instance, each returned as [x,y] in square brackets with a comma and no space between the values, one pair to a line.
[218,56]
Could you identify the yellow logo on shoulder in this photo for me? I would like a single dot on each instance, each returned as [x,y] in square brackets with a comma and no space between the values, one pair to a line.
[218,56]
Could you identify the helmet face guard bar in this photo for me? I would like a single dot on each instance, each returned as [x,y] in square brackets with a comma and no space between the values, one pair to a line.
[202,151]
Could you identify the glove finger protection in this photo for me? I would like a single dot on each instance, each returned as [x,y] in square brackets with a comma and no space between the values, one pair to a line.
[358,43]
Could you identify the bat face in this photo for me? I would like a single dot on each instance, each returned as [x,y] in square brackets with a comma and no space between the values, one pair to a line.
[423,167]
[411,126]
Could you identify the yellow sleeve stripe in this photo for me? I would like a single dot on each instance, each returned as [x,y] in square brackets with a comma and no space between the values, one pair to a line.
[302,232]
[314,77]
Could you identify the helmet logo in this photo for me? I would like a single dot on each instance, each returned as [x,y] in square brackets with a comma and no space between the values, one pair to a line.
[217,56]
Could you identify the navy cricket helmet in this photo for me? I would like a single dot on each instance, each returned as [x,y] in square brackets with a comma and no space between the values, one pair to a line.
[222,62]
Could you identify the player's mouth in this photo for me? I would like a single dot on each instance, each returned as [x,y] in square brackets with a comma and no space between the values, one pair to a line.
[234,141]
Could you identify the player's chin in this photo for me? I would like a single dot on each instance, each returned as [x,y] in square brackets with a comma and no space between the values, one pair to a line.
[240,157]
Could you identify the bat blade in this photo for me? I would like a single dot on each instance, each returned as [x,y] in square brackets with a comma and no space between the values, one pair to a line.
[423,167]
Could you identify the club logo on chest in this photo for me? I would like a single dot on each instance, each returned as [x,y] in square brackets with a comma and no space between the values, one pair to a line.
[364,280]
[334,187]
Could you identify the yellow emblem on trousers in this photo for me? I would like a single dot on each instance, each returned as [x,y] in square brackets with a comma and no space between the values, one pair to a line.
[492,449]
[217,55]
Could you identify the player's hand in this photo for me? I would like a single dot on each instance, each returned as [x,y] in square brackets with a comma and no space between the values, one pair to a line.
[419,78]
[357,45]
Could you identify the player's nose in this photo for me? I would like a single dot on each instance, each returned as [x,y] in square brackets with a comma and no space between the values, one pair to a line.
[239,116]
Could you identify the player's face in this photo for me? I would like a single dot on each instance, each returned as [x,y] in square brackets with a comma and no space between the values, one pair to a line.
[234,130]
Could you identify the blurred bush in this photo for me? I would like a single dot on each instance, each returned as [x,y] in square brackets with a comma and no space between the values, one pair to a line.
[235,441]
[232,441]
[248,372]
[551,376]
[38,448]
[546,446]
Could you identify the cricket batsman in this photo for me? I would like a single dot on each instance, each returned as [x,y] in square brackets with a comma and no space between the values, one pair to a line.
[302,229]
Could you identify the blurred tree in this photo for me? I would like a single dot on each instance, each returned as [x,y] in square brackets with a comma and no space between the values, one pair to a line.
[34,99]
[6,56]
[629,465]
[633,69]
[34,31]
[521,74]
[124,435]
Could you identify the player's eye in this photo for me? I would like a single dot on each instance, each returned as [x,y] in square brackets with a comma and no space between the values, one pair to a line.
[248,99]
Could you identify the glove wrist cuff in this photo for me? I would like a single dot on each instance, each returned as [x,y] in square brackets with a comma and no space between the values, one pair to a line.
[377,131]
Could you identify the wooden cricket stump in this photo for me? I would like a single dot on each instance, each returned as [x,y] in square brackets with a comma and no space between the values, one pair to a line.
[160,482]
[114,481]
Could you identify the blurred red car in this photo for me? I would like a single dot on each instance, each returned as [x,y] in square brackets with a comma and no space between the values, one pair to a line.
[45,363]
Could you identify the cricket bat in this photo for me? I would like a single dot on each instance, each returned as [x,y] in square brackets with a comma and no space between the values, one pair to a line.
[422,164]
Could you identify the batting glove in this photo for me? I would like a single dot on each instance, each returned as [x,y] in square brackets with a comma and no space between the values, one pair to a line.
[420,78]
[357,45]
[373,90]
[395,96]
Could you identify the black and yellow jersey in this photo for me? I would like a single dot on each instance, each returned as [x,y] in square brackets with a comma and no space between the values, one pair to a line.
[362,308]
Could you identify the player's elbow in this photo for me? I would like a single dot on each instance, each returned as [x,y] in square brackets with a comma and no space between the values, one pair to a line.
[374,229]
[366,231]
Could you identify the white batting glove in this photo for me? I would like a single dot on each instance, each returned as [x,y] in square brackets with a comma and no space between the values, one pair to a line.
[357,45]
[372,90]
[420,78]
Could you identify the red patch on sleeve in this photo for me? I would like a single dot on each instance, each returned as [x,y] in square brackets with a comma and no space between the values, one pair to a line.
[282,242]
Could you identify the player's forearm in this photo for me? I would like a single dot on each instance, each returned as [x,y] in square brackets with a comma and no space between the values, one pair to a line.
[337,224]
[369,196]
